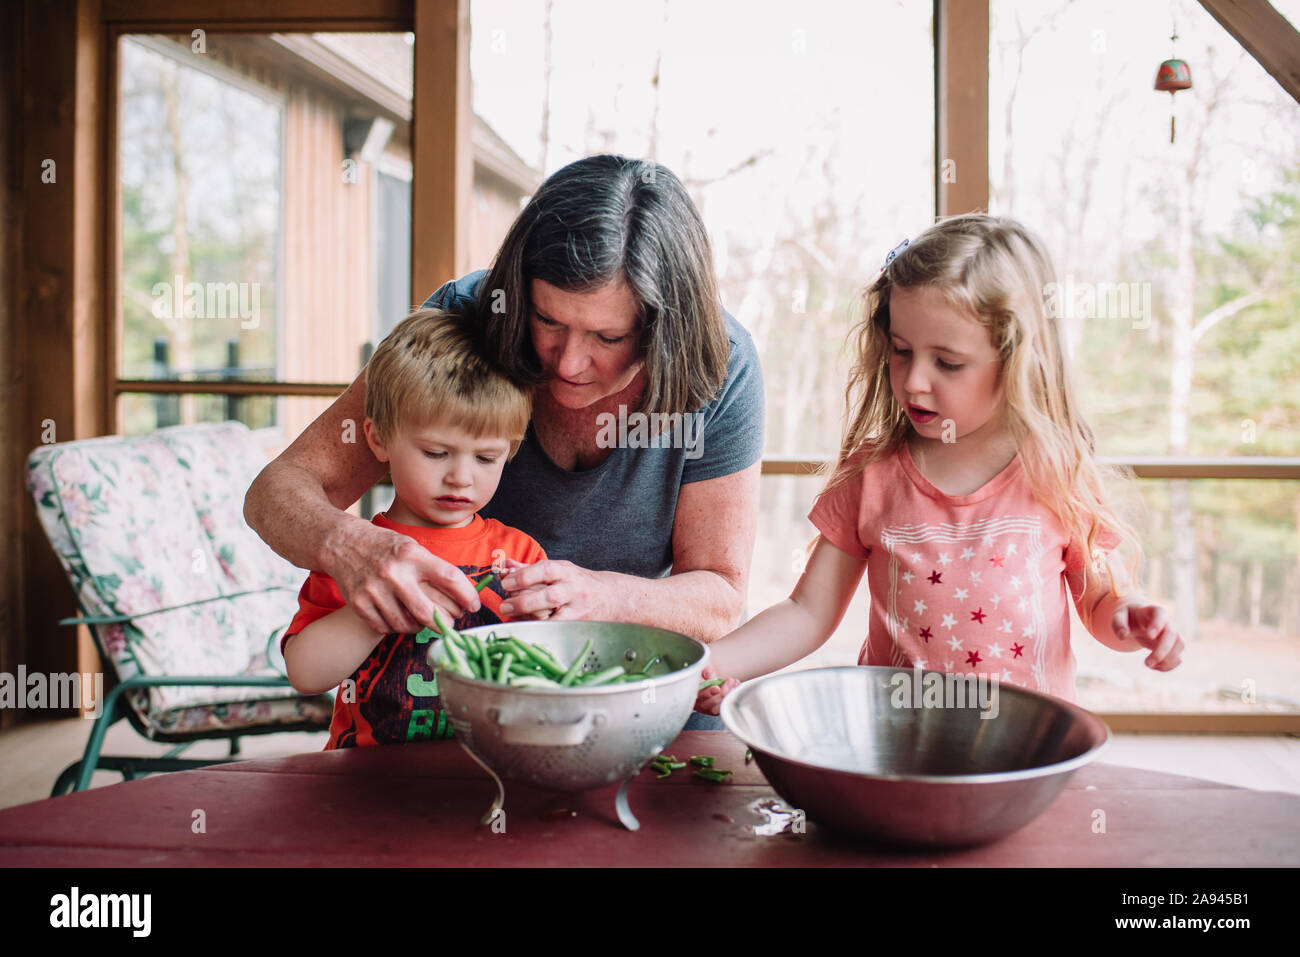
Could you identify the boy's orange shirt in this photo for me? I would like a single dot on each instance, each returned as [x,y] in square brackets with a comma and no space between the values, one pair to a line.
[392,696]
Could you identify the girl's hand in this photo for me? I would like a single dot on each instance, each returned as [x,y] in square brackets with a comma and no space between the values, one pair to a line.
[709,701]
[1149,626]
[555,589]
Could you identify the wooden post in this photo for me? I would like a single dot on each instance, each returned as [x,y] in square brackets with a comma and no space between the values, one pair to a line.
[61,328]
[441,156]
[961,100]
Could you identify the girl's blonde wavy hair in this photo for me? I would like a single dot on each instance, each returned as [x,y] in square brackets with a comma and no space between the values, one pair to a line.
[997,272]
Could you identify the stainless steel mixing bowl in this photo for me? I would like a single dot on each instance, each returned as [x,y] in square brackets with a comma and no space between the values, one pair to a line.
[845,747]
[572,739]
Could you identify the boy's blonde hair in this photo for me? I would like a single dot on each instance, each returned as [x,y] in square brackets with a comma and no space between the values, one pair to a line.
[430,369]
[997,272]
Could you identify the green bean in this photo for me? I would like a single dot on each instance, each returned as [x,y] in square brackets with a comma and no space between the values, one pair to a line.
[712,684]
[506,661]
[544,654]
[443,624]
[601,677]
[702,760]
[576,666]
[650,663]
[715,776]
[456,661]
[485,582]
[532,681]
[526,653]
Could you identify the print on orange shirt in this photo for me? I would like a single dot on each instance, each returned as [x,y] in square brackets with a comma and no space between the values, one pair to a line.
[392,697]
[396,691]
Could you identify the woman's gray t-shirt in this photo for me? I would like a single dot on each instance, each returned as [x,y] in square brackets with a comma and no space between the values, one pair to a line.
[619,515]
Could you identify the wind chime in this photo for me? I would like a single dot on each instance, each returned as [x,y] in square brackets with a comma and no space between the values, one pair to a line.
[1173,75]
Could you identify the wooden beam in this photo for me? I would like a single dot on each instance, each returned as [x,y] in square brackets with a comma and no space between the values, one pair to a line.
[1207,722]
[1267,36]
[1242,467]
[259,16]
[328,390]
[441,146]
[961,101]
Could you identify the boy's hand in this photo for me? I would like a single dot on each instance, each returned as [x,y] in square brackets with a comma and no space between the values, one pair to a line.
[709,701]
[393,582]
[1150,627]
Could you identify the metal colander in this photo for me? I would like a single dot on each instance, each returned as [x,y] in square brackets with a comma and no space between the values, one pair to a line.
[569,739]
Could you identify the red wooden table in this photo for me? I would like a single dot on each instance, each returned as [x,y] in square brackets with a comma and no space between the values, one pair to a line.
[419,805]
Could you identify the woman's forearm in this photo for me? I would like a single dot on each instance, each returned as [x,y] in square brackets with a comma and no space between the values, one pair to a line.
[701,604]
[287,506]
[296,504]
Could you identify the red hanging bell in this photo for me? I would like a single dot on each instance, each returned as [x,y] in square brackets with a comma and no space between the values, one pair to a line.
[1173,75]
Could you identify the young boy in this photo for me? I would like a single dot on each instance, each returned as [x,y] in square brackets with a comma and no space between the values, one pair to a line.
[446,420]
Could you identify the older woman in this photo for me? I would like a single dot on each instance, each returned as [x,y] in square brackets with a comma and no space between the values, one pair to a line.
[639,472]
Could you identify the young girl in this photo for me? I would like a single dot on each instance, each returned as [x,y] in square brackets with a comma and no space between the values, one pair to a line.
[965,486]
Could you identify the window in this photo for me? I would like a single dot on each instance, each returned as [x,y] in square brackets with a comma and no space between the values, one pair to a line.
[1176,264]
[265,222]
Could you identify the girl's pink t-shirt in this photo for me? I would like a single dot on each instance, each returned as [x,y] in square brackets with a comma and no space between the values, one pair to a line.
[960,583]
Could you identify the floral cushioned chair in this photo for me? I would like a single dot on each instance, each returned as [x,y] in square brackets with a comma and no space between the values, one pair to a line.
[185,601]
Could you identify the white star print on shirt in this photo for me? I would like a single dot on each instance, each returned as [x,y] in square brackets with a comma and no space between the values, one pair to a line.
[1022,603]
[916,558]
[996,599]
[977,577]
[948,622]
[1011,548]
[1006,627]
[918,607]
[968,553]
[960,594]
[907,578]
[944,559]
[1027,631]
[1015,581]
[995,650]
[954,643]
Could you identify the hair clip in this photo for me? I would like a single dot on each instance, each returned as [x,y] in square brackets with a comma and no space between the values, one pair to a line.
[893,253]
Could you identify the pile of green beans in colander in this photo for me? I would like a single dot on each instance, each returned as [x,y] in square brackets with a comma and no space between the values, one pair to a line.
[509,661]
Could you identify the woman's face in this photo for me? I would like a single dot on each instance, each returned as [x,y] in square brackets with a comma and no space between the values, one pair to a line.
[587,341]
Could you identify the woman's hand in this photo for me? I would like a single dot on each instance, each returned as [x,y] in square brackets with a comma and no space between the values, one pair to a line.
[393,582]
[709,701]
[1149,626]
[555,589]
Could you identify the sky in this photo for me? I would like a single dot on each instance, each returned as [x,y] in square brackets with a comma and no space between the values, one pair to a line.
[789,80]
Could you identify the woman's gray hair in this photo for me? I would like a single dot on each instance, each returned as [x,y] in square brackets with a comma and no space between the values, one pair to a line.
[599,220]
